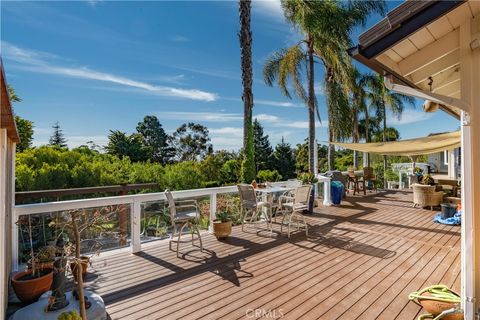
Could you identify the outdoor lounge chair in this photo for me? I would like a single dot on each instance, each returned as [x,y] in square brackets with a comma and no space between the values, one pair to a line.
[252,208]
[292,211]
[426,196]
[188,217]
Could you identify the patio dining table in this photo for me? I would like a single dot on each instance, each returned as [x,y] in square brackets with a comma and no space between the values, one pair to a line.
[268,194]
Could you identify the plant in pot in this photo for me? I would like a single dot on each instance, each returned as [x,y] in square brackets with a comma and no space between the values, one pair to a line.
[428,180]
[30,284]
[78,223]
[222,225]
[308,178]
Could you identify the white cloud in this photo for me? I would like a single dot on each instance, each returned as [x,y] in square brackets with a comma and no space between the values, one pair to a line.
[298,124]
[227,143]
[179,38]
[34,61]
[266,118]
[230,131]
[277,103]
[408,116]
[200,116]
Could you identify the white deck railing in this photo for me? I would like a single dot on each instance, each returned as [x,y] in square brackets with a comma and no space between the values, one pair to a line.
[135,202]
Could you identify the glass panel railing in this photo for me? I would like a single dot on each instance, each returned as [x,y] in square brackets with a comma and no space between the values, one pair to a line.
[101,228]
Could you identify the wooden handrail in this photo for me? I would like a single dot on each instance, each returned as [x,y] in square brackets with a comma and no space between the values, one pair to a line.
[121,189]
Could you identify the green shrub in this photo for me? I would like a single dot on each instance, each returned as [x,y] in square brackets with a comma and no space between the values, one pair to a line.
[391,175]
[182,176]
[268,175]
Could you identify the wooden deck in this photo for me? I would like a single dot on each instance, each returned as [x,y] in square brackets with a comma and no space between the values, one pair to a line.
[361,261]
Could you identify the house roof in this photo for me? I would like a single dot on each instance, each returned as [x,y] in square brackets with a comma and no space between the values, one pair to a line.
[7,118]
[418,43]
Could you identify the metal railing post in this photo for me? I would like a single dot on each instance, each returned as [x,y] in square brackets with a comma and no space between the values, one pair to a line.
[213,210]
[136,245]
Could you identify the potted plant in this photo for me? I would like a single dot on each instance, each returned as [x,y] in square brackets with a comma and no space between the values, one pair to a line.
[309,178]
[222,225]
[427,179]
[84,261]
[30,284]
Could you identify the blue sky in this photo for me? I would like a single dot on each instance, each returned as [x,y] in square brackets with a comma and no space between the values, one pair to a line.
[101,65]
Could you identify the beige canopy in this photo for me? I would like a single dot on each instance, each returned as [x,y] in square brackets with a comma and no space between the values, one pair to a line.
[410,147]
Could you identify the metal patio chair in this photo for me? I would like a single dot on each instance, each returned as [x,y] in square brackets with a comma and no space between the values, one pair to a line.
[187,217]
[252,208]
[292,211]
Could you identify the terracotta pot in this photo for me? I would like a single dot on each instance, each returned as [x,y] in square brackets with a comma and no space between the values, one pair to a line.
[436,307]
[30,290]
[222,230]
[85,262]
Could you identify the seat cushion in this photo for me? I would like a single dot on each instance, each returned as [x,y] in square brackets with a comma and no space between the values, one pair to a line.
[185,216]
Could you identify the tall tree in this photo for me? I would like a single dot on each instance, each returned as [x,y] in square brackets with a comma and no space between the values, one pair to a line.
[326,28]
[284,159]
[358,96]
[191,142]
[25,131]
[263,149]
[123,145]
[154,138]
[335,21]
[57,138]
[382,99]
[245,35]
[296,64]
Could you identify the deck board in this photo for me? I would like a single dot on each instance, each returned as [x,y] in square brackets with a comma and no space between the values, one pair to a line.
[360,262]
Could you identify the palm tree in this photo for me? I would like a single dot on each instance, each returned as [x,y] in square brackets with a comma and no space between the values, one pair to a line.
[245,35]
[288,65]
[381,98]
[336,21]
[358,105]
[326,27]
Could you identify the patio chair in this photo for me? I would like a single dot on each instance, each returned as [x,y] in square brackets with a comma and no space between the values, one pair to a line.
[354,180]
[369,177]
[293,210]
[187,217]
[448,186]
[426,196]
[252,208]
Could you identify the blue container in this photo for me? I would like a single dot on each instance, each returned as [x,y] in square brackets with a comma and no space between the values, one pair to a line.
[337,189]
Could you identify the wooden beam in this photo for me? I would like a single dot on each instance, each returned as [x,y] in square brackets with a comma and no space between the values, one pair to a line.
[387,61]
[450,60]
[449,89]
[470,84]
[429,54]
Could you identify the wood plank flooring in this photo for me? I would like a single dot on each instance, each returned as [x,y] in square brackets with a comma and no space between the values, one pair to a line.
[360,262]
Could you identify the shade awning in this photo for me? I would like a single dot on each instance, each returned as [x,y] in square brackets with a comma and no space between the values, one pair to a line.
[410,147]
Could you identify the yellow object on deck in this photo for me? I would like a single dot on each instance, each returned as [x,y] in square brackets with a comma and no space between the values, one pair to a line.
[410,147]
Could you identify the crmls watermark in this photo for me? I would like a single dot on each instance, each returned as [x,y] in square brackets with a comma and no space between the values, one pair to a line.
[265,313]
